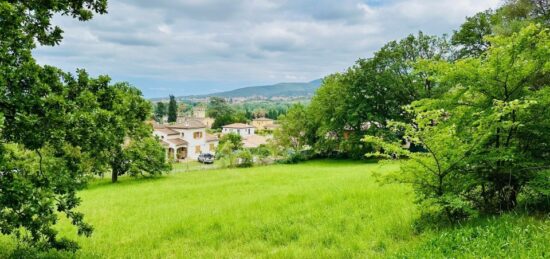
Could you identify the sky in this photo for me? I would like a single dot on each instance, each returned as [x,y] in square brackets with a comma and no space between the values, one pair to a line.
[187,47]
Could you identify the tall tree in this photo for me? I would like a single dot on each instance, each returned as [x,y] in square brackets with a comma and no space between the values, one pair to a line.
[172,109]
[41,163]
[484,138]
[471,37]
[56,129]
[160,111]
[361,100]
[221,112]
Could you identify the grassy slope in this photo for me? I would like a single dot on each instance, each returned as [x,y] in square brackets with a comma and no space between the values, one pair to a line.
[316,209]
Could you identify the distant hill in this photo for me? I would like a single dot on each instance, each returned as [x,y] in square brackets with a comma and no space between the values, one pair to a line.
[281,89]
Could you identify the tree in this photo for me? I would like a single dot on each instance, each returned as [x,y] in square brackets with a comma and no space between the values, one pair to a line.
[222,113]
[297,129]
[160,111]
[41,164]
[228,148]
[483,139]
[362,99]
[471,37]
[141,156]
[172,109]
[60,128]
[234,139]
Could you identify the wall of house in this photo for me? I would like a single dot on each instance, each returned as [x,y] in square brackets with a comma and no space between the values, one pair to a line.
[198,145]
[189,136]
[242,132]
[260,124]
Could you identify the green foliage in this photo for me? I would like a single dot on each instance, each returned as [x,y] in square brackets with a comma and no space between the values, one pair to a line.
[292,156]
[160,111]
[42,162]
[470,38]
[172,109]
[228,148]
[233,139]
[222,113]
[360,101]
[146,156]
[296,129]
[483,139]
[57,129]
[244,158]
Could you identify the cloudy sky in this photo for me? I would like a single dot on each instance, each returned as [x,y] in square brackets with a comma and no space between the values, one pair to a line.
[187,47]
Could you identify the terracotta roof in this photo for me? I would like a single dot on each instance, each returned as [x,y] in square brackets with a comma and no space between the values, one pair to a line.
[238,126]
[164,143]
[167,131]
[254,141]
[210,138]
[188,124]
[177,141]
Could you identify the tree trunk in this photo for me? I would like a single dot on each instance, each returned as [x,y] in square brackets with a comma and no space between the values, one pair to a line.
[114,176]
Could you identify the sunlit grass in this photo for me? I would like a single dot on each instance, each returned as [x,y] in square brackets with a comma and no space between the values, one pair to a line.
[320,209]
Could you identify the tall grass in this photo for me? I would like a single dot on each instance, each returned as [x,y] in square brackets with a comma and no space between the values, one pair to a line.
[328,209]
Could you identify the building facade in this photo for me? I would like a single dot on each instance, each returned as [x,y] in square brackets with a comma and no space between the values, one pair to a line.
[185,140]
[244,130]
[262,123]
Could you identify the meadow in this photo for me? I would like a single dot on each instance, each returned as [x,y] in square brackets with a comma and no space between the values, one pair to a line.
[318,209]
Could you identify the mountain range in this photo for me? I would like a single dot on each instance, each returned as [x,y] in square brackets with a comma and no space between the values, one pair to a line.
[268,91]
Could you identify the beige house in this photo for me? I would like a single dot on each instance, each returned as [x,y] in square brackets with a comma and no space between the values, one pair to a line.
[260,123]
[187,139]
[198,114]
[248,134]
[264,124]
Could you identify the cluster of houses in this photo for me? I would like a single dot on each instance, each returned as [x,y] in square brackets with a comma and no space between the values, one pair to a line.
[188,137]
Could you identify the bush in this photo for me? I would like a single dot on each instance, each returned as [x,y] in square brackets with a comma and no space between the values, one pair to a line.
[244,158]
[293,157]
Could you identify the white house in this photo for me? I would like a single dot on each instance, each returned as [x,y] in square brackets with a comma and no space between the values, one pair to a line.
[244,130]
[185,140]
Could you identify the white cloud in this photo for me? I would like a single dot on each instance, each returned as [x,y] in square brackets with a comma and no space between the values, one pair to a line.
[196,46]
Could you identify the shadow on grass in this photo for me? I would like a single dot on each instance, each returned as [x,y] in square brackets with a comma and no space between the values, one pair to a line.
[511,235]
[123,181]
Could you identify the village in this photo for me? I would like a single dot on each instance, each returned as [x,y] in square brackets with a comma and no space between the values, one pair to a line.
[191,134]
[275,129]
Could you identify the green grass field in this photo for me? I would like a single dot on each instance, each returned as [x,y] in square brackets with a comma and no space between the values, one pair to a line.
[319,209]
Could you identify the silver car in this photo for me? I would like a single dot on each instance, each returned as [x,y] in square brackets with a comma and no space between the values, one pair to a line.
[206,158]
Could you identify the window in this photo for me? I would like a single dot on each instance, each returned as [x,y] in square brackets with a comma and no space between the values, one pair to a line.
[197,135]
[183,135]
[197,149]
[212,147]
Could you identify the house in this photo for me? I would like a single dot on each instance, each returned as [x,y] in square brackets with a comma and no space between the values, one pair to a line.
[244,130]
[198,114]
[272,127]
[187,139]
[261,123]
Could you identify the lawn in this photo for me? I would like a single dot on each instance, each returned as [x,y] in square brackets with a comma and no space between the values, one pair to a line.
[319,209]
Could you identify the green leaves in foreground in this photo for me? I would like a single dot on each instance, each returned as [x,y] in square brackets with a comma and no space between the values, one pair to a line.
[483,144]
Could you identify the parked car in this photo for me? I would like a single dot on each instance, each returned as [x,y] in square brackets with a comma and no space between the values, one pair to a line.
[206,158]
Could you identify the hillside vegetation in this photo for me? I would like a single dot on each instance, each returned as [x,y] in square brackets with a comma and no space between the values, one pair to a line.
[280,89]
[328,209]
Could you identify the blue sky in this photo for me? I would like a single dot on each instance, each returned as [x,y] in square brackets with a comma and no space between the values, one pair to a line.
[186,47]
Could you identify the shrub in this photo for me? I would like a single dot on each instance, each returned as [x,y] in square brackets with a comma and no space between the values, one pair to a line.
[244,158]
